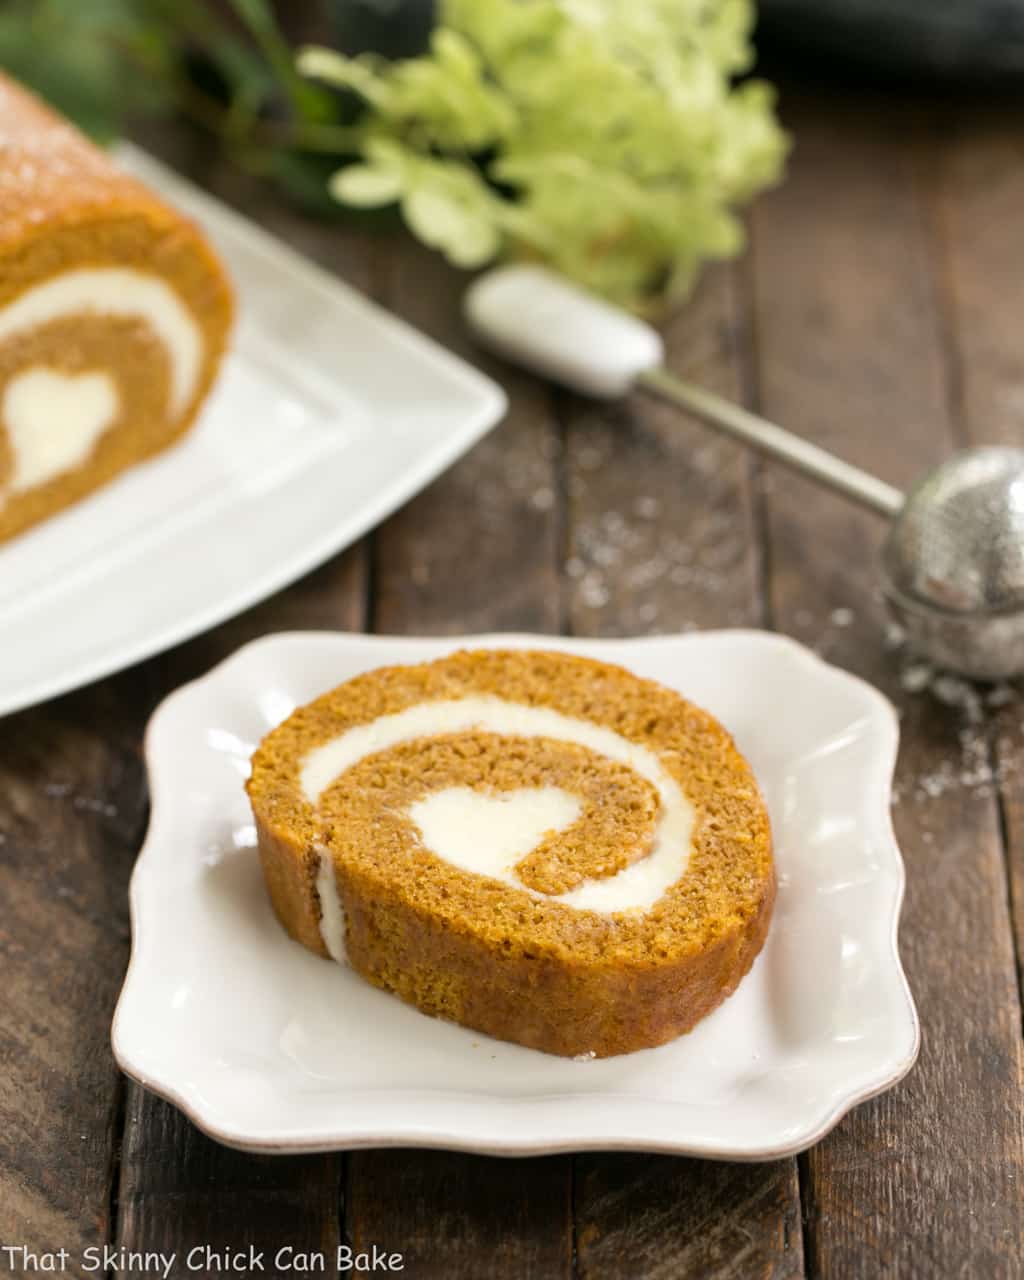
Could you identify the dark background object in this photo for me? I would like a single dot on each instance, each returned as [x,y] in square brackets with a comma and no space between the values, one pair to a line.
[392,28]
[967,40]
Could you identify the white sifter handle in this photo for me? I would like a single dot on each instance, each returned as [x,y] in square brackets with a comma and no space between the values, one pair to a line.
[542,322]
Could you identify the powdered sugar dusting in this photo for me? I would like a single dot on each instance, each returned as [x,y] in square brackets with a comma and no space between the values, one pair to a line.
[636,554]
[975,765]
[42,158]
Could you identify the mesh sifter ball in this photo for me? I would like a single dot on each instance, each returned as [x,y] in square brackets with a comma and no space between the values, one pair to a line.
[954,563]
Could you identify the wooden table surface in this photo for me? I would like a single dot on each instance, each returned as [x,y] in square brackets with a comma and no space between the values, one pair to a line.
[878,311]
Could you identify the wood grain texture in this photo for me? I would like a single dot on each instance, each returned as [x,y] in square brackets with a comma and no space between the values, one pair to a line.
[975,166]
[454,1216]
[477,551]
[662,522]
[974,169]
[181,1192]
[924,1181]
[664,1218]
[663,536]
[71,815]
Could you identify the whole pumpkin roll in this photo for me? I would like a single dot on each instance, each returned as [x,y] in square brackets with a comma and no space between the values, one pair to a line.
[538,846]
[114,316]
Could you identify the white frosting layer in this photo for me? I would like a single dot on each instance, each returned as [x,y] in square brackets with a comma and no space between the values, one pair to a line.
[117,291]
[332,913]
[53,421]
[636,887]
[488,834]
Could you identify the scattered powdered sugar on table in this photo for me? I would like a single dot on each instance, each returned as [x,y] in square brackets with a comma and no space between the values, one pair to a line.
[978,764]
[626,553]
[972,770]
[640,552]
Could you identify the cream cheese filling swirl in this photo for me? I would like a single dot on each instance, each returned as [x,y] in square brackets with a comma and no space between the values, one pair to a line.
[636,887]
[54,420]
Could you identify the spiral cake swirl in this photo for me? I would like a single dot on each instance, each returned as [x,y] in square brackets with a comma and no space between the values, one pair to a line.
[537,846]
[114,314]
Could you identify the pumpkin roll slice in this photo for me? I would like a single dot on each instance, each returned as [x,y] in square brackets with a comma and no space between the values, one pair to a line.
[114,315]
[538,846]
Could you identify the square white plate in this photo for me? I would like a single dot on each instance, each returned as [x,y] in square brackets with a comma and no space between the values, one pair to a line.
[271,1048]
[329,413]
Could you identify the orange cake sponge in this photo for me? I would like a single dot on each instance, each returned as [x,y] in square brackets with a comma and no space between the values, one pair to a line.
[114,316]
[535,845]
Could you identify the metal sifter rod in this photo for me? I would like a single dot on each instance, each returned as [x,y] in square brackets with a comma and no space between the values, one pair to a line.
[775,442]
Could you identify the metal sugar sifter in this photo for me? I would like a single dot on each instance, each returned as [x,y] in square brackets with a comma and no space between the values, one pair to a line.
[953,561]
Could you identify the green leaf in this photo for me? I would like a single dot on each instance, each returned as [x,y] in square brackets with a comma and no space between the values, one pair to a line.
[358,74]
[366,186]
[465,236]
[306,100]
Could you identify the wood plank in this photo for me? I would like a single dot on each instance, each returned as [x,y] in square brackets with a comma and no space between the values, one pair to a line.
[662,522]
[977,170]
[168,1168]
[453,1215]
[663,535]
[924,1180]
[974,166]
[664,1218]
[72,812]
[181,1192]
[477,551]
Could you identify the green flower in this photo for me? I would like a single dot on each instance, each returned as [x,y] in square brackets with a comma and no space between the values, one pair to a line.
[448,206]
[607,139]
